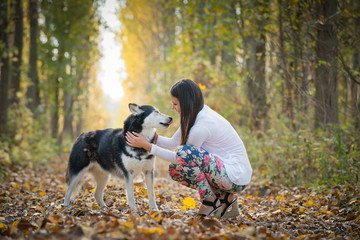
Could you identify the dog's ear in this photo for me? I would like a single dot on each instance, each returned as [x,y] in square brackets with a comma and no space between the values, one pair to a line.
[135,109]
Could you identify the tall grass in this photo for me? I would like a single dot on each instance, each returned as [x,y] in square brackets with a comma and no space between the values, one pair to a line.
[305,156]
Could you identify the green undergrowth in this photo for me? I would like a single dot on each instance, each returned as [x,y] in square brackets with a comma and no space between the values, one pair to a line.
[306,157]
[26,142]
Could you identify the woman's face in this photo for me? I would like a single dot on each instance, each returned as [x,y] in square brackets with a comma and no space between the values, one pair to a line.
[175,104]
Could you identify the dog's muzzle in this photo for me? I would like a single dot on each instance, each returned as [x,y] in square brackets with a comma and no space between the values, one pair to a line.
[168,123]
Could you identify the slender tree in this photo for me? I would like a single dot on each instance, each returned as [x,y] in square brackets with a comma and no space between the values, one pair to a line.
[287,97]
[5,65]
[18,43]
[355,86]
[33,94]
[326,81]
[254,41]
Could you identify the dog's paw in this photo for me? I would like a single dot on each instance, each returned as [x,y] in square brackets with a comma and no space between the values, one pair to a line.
[69,207]
[104,207]
[154,209]
[134,211]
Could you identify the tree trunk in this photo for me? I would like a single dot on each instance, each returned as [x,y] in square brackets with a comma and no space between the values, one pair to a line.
[5,66]
[68,114]
[288,107]
[55,110]
[18,42]
[33,90]
[256,82]
[258,92]
[326,82]
[355,94]
[254,48]
[355,88]
[305,56]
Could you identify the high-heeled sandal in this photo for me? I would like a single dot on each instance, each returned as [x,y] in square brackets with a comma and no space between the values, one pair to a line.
[231,210]
[215,212]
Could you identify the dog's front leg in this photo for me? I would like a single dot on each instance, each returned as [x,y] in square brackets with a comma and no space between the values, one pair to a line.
[149,179]
[129,184]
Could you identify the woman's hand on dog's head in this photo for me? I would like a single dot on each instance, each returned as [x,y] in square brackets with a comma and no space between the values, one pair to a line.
[137,140]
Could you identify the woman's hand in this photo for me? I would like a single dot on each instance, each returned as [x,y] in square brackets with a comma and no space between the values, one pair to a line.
[137,140]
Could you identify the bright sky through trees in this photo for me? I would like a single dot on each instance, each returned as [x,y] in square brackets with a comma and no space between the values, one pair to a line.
[112,67]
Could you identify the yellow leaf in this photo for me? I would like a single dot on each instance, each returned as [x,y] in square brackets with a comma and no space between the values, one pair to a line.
[38,208]
[152,230]
[202,87]
[41,194]
[13,228]
[2,226]
[280,197]
[189,202]
[310,203]
[156,216]
[129,224]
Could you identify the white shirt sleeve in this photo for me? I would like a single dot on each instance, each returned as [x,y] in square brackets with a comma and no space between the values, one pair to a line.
[164,147]
[197,137]
[165,154]
[169,143]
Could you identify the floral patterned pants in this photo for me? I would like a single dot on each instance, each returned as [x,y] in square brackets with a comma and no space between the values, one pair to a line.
[200,170]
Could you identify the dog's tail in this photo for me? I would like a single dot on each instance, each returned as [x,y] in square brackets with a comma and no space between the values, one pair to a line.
[68,177]
[78,161]
[74,182]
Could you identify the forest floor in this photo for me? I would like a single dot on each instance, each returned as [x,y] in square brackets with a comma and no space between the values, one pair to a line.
[31,208]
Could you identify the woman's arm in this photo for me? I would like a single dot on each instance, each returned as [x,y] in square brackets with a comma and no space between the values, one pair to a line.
[137,140]
[165,154]
[169,143]
[197,137]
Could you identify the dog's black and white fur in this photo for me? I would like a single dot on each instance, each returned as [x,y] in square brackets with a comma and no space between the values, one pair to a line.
[105,152]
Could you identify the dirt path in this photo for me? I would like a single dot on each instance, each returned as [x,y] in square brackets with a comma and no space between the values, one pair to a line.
[31,208]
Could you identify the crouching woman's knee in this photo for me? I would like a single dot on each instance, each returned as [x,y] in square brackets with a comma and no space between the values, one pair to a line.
[184,154]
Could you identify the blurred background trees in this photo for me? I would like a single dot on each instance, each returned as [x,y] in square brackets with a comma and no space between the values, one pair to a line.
[49,55]
[286,74]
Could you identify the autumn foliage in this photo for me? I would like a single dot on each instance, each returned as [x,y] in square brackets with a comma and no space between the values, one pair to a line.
[31,208]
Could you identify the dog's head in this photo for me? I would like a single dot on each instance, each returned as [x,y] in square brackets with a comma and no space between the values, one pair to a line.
[147,116]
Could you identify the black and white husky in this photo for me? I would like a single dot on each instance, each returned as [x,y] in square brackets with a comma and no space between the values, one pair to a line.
[105,152]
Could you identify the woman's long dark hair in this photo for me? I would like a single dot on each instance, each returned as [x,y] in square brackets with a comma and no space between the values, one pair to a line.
[191,102]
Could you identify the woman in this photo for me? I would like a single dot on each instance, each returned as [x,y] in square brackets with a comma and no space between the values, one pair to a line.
[210,155]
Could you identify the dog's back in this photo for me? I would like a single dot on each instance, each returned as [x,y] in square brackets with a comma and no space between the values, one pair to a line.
[97,146]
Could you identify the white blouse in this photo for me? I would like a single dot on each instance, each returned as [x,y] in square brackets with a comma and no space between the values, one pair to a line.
[215,134]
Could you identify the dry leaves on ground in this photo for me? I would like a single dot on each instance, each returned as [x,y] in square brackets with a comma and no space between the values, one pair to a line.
[31,208]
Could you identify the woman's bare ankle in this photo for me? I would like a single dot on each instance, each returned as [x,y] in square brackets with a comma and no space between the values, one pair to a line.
[205,209]
[230,198]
